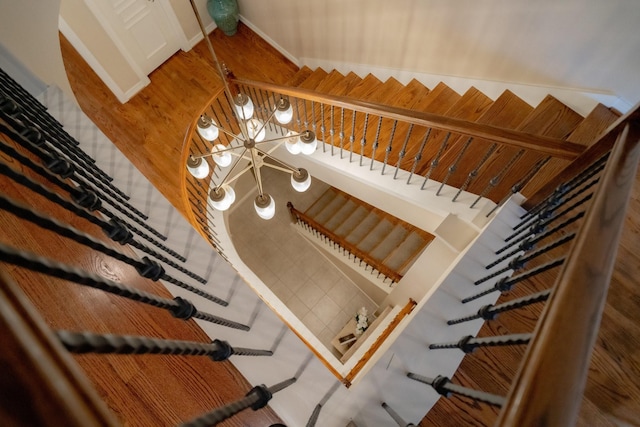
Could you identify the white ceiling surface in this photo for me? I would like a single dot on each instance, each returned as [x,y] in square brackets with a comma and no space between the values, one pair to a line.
[585,45]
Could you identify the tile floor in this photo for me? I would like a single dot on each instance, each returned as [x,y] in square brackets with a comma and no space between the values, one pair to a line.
[311,286]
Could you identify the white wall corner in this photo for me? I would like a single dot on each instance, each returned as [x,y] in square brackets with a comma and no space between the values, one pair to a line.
[272,42]
[198,37]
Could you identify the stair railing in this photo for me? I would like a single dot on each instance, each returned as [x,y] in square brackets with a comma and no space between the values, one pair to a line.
[339,243]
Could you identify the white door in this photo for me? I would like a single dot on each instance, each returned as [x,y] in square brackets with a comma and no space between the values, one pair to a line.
[143,27]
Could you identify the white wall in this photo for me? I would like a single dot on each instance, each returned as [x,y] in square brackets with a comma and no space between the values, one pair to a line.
[585,45]
[29,34]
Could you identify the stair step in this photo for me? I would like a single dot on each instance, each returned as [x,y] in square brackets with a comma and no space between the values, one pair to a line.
[376,235]
[387,92]
[302,74]
[390,243]
[362,229]
[332,79]
[470,106]
[330,209]
[313,80]
[341,215]
[508,111]
[366,88]
[343,87]
[409,95]
[322,201]
[598,120]
[406,252]
[550,118]
[350,223]
[439,100]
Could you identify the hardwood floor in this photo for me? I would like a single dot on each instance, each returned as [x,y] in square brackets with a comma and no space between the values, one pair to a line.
[149,130]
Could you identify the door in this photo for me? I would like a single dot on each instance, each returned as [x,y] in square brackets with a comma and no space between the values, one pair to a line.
[144,28]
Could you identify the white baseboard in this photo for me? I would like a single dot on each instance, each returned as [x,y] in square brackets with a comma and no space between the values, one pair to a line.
[122,95]
[198,37]
[269,40]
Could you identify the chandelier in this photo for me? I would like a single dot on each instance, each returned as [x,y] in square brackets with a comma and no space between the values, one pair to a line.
[249,146]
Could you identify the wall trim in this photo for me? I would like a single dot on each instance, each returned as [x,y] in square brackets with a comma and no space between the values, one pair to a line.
[83,50]
[580,100]
[272,42]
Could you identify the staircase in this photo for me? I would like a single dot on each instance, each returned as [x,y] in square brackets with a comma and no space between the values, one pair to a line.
[385,243]
[477,165]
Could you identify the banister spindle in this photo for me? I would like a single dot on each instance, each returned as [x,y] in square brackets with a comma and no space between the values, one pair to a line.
[474,173]
[436,160]
[454,166]
[341,134]
[445,387]
[469,343]
[505,284]
[493,182]
[363,141]
[396,417]
[389,146]
[489,312]
[375,143]
[178,307]
[257,398]
[87,342]
[403,151]
[352,138]
[323,128]
[418,156]
[332,131]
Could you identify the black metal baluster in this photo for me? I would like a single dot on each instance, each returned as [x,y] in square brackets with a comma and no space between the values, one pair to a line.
[496,179]
[389,146]
[375,143]
[363,141]
[469,343]
[418,156]
[396,417]
[352,138]
[445,387]
[490,312]
[452,169]
[436,160]
[474,173]
[403,151]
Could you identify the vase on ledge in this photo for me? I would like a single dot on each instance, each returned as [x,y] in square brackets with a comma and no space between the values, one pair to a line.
[225,14]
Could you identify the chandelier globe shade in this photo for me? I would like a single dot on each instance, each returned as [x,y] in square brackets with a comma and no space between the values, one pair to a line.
[284,111]
[221,198]
[301,180]
[243,106]
[221,157]
[207,128]
[198,167]
[292,143]
[265,206]
[309,142]
[256,130]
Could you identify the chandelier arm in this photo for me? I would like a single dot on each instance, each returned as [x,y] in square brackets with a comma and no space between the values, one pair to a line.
[240,137]
[280,168]
[286,165]
[239,174]
[202,156]
[226,177]
[267,121]
[280,138]
[256,171]
[216,62]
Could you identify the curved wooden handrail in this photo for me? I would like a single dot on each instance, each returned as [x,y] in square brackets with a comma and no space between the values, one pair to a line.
[383,269]
[548,388]
[544,145]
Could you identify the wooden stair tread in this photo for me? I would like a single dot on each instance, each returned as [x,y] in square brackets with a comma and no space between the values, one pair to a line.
[507,111]
[343,87]
[585,134]
[302,74]
[366,88]
[333,78]
[551,118]
[596,122]
[387,92]
[439,100]
[314,79]
[470,106]
[409,95]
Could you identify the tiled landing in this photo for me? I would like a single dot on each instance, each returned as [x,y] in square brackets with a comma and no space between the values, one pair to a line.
[311,286]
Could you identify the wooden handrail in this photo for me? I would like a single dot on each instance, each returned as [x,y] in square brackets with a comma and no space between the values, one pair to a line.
[41,385]
[541,144]
[548,388]
[383,269]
